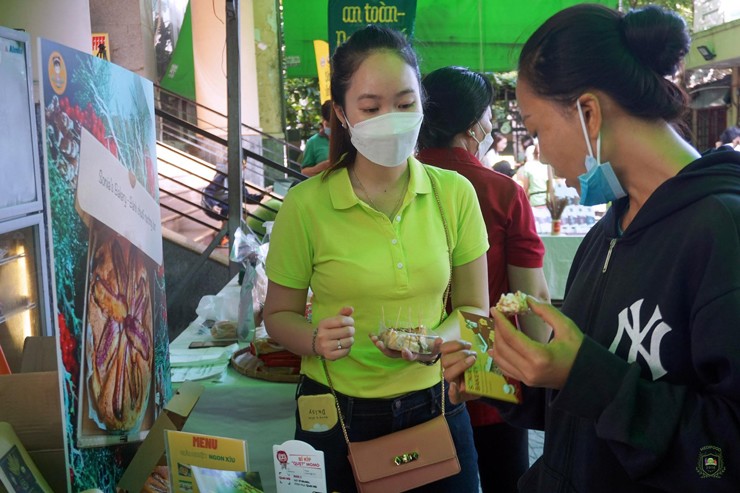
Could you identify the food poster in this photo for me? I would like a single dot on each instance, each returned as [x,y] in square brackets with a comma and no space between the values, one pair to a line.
[109,291]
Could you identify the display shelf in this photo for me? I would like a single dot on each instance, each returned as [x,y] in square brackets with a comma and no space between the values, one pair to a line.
[7,260]
[15,311]
[20,195]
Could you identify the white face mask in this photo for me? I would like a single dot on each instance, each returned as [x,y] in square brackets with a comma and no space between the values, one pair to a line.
[388,139]
[484,144]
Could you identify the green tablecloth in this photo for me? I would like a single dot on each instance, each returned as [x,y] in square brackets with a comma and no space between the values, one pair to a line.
[236,406]
[559,253]
[260,412]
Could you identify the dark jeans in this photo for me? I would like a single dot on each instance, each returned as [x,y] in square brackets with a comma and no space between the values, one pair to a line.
[370,418]
[503,456]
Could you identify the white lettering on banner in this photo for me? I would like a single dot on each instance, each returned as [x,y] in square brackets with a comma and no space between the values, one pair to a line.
[351,15]
[373,14]
[637,335]
[127,201]
[108,192]
[112,187]
[292,61]
[141,212]
[367,14]
[384,14]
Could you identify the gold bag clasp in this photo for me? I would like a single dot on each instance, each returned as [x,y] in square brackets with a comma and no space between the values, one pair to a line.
[405,458]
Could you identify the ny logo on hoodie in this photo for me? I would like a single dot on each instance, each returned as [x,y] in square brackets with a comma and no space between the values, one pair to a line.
[629,325]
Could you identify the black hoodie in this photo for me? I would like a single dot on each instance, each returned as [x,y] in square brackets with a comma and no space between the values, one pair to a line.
[652,402]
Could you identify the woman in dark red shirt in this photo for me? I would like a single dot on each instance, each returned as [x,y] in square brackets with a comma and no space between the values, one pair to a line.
[456,129]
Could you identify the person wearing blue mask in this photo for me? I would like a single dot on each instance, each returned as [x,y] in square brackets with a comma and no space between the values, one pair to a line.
[599,184]
[638,388]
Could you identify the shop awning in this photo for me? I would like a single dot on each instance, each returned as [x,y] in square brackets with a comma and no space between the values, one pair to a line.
[710,96]
[484,35]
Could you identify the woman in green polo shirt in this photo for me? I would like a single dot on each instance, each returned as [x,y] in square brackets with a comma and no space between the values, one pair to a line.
[368,237]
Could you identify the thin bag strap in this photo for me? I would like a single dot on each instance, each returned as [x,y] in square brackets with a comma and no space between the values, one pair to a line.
[336,401]
[445,299]
[448,289]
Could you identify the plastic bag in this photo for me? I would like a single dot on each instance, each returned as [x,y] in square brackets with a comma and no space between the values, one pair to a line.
[259,292]
[223,307]
[246,251]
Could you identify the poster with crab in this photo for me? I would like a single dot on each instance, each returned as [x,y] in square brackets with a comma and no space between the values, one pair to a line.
[109,291]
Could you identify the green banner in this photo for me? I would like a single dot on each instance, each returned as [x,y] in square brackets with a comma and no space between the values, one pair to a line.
[347,16]
[180,75]
[485,35]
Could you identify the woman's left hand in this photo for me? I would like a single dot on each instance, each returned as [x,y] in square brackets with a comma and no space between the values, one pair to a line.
[407,354]
[531,362]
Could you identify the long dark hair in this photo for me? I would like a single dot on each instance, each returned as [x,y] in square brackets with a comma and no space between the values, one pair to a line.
[456,98]
[627,56]
[346,60]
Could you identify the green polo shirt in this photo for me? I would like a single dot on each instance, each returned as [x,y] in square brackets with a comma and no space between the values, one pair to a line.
[316,151]
[393,270]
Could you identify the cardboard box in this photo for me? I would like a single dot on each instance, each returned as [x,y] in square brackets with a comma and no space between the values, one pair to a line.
[151,452]
[18,472]
[31,404]
[39,354]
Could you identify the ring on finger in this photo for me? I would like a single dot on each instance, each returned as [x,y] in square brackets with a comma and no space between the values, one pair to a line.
[339,344]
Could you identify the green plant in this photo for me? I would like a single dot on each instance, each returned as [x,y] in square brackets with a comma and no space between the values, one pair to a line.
[302,105]
[504,94]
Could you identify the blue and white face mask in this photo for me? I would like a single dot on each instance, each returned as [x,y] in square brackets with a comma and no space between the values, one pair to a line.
[599,184]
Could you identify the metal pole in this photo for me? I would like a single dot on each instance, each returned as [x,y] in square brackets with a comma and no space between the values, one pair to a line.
[281,71]
[233,96]
[481,64]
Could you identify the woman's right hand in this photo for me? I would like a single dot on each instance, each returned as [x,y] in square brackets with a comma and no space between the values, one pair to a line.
[335,335]
[531,362]
[457,356]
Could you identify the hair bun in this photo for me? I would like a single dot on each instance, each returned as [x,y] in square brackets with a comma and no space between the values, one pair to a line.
[657,37]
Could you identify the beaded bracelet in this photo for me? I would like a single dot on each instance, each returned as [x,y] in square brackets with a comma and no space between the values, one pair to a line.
[313,341]
[430,362]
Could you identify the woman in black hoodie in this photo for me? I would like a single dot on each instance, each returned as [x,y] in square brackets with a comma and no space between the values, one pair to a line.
[639,388]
